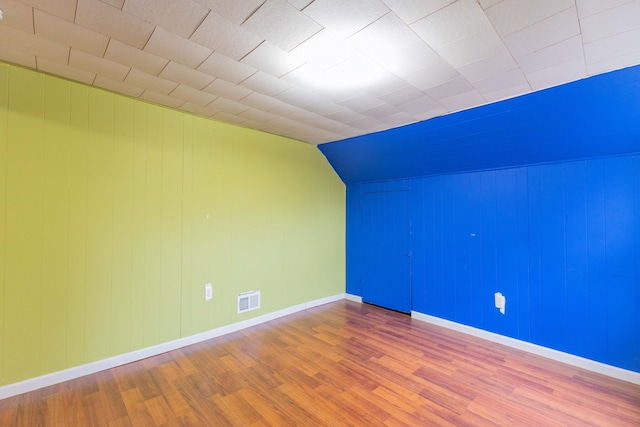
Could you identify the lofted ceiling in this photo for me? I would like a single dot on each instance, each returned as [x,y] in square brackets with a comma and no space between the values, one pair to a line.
[322,70]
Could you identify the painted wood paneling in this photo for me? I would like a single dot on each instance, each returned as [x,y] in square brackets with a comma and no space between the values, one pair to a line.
[560,241]
[24,225]
[55,236]
[563,123]
[114,213]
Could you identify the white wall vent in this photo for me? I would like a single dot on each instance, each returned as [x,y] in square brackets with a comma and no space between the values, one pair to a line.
[248,301]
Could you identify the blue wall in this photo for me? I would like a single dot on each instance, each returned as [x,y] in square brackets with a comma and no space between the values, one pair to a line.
[589,118]
[560,241]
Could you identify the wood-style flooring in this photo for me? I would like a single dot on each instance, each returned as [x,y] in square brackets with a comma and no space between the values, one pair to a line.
[343,363]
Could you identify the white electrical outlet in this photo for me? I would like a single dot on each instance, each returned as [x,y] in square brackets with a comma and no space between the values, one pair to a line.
[208,292]
[500,301]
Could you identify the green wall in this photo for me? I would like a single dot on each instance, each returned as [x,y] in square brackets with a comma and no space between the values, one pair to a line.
[114,213]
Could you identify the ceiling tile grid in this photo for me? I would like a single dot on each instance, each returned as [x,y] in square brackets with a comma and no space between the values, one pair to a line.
[321,70]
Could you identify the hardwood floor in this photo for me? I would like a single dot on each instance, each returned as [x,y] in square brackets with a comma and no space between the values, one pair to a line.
[339,364]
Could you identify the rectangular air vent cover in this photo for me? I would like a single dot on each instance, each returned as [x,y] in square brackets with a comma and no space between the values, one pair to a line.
[248,301]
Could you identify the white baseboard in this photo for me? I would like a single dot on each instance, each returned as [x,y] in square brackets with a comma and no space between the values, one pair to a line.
[559,356]
[354,298]
[36,383]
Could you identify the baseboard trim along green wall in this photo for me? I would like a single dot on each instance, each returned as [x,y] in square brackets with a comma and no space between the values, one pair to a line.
[122,359]
[549,353]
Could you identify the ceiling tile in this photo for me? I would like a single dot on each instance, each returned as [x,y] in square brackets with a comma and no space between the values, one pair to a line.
[411,11]
[219,65]
[553,55]
[346,116]
[227,89]
[192,95]
[198,109]
[227,117]
[432,76]
[31,44]
[323,50]
[105,19]
[488,67]
[279,124]
[627,43]
[611,22]
[299,4]
[463,101]
[65,71]
[155,83]
[403,95]
[362,102]
[17,15]
[324,107]
[454,23]
[257,115]
[225,37]
[229,106]
[591,7]
[298,96]
[19,57]
[65,9]
[615,63]
[271,59]
[507,92]
[179,17]
[381,111]
[483,45]
[486,4]
[190,77]
[502,82]
[311,135]
[324,123]
[509,16]
[290,111]
[135,58]
[398,119]
[260,101]
[64,32]
[266,84]
[118,87]
[158,98]
[281,24]
[552,30]
[235,11]
[393,45]
[173,47]
[345,17]
[566,71]
[97,65]
[306,76]
[115,3]
[450,88]
[421,106]
[369,124]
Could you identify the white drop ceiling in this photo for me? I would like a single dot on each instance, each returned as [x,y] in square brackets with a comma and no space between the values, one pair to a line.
[321,70]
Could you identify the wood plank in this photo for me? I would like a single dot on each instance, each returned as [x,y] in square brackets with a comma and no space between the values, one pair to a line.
[342,363]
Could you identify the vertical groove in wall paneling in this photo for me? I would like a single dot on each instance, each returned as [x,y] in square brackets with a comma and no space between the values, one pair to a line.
[4,101]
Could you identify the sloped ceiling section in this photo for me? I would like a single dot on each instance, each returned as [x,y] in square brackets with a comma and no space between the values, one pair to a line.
[322,70]
[594,117]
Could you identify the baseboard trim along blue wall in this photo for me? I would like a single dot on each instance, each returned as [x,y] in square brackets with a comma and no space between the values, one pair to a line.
[560,241]
[569,359]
